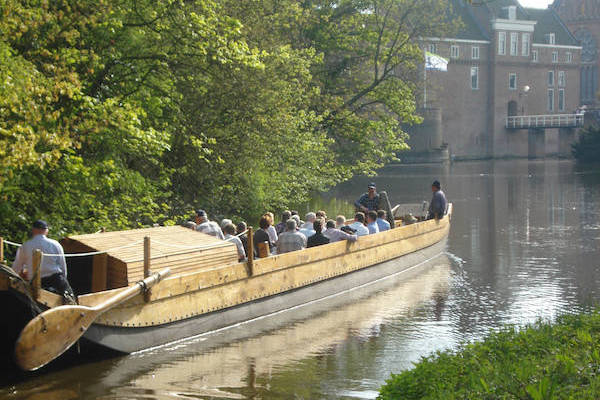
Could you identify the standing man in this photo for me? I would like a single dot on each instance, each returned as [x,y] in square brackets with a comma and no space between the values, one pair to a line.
[54,267]
[368,201]
[439,205]
[204,225]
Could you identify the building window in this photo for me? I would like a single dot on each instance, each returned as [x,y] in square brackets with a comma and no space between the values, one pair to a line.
[561,99]
[550,99]
[569,56]
[525,42]
[502,43]
[514,44]
[432,48]
[454,51]
[512,12]
[555,56]
[550,78]
[562,79]
[512,81]
[474,78]
[475,52]
[534,55]
[550,38]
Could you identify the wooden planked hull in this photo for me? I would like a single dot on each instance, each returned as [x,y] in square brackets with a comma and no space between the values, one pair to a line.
[205,301]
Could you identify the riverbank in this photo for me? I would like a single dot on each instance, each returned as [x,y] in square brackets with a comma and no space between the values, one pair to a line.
[557,360]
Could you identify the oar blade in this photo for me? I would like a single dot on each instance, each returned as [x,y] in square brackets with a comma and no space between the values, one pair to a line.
[50,334]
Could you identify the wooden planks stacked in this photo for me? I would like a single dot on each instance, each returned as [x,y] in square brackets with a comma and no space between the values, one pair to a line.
[181,249]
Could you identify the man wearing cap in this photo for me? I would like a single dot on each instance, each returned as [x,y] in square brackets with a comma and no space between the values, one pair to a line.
[204,225]
[53,269]
[439,205]
[368,201]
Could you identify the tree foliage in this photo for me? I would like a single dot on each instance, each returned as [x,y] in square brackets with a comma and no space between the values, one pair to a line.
[121,113]
[587,148]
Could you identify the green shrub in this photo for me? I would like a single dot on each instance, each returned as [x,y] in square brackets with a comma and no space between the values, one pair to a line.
[587,148]
[540,362]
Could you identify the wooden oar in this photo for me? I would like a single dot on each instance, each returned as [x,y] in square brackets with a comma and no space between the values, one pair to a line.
[52,332]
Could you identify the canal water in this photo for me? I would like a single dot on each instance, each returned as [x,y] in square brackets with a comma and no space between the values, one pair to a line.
[524,244]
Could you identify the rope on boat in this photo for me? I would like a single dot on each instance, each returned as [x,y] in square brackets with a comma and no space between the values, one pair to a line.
[93,253]
[12,243]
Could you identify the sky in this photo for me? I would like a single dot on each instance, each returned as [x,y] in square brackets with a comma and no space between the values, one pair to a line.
[535,3]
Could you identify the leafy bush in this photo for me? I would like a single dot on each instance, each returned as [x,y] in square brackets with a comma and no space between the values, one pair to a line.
[587,149]
[542,361]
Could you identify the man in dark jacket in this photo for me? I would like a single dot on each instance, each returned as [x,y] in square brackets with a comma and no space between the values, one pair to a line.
[439,205]
[318,238]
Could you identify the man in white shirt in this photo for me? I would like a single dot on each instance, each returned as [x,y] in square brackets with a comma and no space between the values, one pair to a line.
[209,227]
[307,229]
[53,269]
[359,224]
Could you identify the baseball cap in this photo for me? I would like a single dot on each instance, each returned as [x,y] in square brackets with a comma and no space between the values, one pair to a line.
[372,185]
[40,224]
[201,213]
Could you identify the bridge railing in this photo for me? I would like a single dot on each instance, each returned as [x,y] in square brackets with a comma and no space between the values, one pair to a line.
[544,121]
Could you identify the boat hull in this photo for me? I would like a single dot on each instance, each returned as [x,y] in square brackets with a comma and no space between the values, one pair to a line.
[132,339]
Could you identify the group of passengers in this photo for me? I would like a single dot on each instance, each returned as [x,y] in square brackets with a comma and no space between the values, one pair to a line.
[292,234]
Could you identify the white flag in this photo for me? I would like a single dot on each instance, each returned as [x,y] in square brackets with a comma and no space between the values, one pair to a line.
[433,62]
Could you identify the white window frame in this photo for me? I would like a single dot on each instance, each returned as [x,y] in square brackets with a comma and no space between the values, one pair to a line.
[550,100]
[561,100]
[562,79]
[514,44]
[502,43]
[525,43]
[475,73]
[569,56]
[551,38]
[454,51]
[550,80]
[512,75]
[475,52]
[512,13]
[555,56]
[534,56]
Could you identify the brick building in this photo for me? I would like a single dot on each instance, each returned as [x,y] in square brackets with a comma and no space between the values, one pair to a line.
[506,61]
[582,17]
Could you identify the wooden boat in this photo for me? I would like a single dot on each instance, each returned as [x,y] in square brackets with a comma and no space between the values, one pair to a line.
[208,289]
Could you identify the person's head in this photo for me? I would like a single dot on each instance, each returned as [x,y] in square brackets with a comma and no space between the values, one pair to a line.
[435,186]
[318,225]
[321,214]
[359,217]
[201,216]
[330,224]
[310,217]
[340,220]
[371,188]
[381,214]
[229,229]
[189,224]
[371,216]
[264,222]
[241,227]
[296,218]
[225,222]
[294,212]
[39,227]
[269,216]
[285,216]
[290,225]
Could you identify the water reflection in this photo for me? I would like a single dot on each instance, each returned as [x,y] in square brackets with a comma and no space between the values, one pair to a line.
[524,244]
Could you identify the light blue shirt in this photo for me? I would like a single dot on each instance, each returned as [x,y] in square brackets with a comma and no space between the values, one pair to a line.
[360,229]
[50,264]
[383,225]
[373,228]
[307,232]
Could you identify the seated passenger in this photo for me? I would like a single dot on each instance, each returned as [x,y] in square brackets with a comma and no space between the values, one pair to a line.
[372,222]
[318,238]
[224,222]
[382,222]
[340,221]
[261,235]
[359,224]
[291,239]
[321,215]
[242,227]
[229,231]
[335,235]
[280,227]
[204,225]
[189,225]
[271,229]
[300,222]
[307,229]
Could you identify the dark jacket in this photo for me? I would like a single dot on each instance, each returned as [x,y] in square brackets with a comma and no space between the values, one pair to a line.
[261,236]
[317,240]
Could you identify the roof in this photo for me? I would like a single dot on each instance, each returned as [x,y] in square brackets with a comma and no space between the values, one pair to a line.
[499,9]
[548,21]
[470,29]
[128,246]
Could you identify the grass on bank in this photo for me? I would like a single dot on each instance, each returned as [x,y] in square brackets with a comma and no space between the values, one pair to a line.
[543,361]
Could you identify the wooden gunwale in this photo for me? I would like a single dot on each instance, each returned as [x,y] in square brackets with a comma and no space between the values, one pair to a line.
[186,296]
